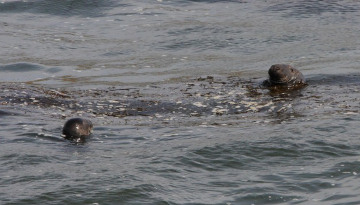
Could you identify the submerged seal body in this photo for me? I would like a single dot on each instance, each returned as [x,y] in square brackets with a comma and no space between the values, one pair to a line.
[77,128]
[284,75]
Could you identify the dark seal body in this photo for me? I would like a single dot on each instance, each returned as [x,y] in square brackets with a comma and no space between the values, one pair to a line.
[284,75]
[77,128]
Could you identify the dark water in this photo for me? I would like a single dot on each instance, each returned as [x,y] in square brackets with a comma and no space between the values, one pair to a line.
[171,87]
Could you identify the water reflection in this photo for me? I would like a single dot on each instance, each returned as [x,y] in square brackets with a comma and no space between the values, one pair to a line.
[88,8]
[307,8]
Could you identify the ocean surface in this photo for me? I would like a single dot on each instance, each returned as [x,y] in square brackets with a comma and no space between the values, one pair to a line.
[172,87]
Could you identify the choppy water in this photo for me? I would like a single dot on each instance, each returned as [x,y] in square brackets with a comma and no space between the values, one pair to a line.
[165,133]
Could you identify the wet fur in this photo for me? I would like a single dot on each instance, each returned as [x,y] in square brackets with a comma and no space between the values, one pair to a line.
[77,128]
[284,75]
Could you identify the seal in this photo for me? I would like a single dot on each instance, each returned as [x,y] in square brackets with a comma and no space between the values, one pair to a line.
[284,75]
[77,128]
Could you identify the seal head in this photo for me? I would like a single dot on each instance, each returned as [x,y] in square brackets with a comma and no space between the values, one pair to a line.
[77,128]
[282,74]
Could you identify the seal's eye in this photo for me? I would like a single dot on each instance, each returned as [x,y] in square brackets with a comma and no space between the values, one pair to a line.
[292,70]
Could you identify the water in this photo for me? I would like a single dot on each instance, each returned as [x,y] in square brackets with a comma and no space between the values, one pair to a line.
[165,132]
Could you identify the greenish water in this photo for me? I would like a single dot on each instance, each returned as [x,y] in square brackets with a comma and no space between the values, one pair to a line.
[165,131]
